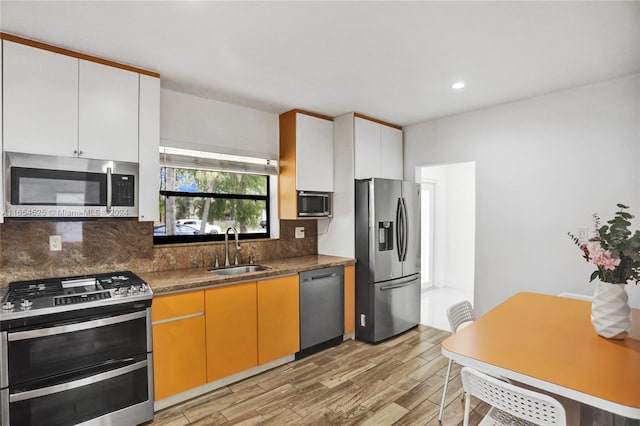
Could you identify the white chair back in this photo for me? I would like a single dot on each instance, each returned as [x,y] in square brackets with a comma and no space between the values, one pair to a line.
[460,313]
[577,296]
[512,400]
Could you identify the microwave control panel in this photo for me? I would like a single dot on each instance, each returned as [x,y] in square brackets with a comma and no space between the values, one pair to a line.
[123,190]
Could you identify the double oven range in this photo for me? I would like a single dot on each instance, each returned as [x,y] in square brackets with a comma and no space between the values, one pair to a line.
[76,350]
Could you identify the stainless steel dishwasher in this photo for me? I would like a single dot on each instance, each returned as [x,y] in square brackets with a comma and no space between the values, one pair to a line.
[321,309]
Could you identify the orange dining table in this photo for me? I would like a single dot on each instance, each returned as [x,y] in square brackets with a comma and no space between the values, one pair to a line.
[548,342]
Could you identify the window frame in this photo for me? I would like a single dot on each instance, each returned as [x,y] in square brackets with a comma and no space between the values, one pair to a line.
[199,238]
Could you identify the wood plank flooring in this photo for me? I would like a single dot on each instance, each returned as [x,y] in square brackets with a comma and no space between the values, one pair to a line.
[397,382]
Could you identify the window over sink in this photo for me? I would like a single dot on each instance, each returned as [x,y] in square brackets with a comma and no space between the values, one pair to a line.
[204,193]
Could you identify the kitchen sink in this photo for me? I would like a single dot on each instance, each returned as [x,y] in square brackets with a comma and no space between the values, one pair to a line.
[242,269]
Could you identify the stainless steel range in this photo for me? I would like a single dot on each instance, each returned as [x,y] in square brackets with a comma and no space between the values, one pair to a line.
[76,350]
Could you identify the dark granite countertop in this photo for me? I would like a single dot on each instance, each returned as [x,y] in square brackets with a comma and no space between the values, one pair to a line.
[190,279]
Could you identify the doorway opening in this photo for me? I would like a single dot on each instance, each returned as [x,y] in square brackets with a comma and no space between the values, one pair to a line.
[447,239]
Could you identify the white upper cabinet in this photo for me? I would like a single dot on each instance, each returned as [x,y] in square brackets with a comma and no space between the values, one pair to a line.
[314,153]
[149,182]
[40,101]
[367,148]
[108,113]
[56,104]
[391,153]
[377,150]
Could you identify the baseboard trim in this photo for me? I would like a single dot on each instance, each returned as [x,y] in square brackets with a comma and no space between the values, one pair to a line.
[217,384]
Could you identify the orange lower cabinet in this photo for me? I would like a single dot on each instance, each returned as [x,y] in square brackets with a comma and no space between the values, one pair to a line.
[349,299]
[177,305]
[278,318]
[179,352]
[232,329]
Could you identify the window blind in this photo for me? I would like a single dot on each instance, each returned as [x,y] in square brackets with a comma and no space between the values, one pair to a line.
[202,160]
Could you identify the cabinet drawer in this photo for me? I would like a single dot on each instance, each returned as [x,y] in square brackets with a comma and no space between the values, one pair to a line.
[177,305]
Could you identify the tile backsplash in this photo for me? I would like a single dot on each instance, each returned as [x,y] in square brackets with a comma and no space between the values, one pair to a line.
[112,245]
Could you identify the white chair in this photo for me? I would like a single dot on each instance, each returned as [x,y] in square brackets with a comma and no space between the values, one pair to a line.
[511,405]
[577,296]
[460,315]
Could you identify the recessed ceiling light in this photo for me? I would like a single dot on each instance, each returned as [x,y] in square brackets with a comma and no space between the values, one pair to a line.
[457,85]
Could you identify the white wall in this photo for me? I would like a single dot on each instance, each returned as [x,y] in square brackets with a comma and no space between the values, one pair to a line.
[192,122]
[460,226]
[543,166]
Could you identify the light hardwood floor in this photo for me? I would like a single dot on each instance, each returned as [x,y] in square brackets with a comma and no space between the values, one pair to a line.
[397,382]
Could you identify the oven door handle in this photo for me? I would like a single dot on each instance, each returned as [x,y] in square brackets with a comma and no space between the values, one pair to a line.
[52,331]
[22,396]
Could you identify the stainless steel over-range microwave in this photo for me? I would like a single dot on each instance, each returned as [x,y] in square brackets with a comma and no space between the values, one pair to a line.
[42,186]
[314,204]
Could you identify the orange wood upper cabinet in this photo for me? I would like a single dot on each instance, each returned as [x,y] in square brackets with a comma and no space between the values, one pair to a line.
[232,329]
[278,318]
[179,352]
[349,299]
[306,157]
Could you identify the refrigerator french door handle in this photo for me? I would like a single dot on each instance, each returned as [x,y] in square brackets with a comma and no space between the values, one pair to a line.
[404,229]
[401,225]
[405,223]
[399,229]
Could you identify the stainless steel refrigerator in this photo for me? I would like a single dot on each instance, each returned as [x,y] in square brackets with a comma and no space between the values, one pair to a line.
[388,257]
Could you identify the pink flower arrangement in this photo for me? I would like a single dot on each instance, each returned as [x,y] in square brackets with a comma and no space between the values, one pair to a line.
[615,250]
[599,256]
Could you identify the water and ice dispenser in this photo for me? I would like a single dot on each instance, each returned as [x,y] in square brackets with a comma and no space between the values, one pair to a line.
[385,236]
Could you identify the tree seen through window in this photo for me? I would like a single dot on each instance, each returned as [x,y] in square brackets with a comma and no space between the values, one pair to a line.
[209,202]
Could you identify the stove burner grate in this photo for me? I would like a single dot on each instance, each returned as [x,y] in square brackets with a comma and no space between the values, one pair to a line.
[23,290]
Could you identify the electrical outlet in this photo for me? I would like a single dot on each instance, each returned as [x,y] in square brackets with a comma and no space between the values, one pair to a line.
[55,243]
[299,231]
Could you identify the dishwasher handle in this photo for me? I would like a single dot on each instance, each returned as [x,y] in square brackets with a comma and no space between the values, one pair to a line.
[321,277]
[321,274]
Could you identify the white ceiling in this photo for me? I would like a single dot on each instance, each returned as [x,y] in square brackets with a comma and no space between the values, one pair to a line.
[391,60]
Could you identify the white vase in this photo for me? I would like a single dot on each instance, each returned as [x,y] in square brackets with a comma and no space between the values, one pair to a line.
[610,312]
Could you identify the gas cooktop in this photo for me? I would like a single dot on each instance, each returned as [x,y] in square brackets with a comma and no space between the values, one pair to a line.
[51,295]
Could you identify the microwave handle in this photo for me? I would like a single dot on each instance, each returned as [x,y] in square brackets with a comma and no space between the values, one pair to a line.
[109,190]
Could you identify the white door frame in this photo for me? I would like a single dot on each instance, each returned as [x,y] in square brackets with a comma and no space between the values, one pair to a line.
[428,188]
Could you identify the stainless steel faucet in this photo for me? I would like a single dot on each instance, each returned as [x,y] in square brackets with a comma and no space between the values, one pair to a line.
[226,246]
